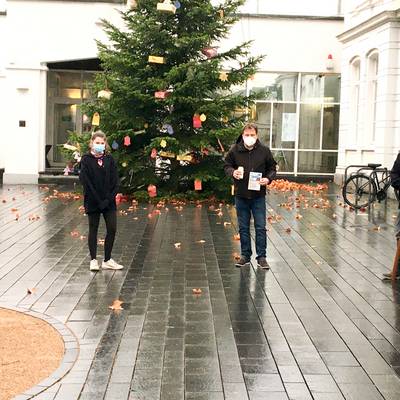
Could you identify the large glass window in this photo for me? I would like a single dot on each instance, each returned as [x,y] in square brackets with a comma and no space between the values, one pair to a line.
[299,120]
[281,87]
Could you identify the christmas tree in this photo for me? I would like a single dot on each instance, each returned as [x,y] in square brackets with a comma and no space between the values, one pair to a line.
[166,95]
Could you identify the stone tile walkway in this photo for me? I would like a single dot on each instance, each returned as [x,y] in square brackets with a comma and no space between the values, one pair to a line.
[319,325]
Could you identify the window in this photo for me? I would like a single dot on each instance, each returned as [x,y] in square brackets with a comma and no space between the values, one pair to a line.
[372,82]
[355,96]
[299,120]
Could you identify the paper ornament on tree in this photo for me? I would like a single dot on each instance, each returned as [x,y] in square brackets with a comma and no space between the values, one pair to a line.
[167,154]
[232,190]
[152,190]
[170,129]
[153,153]
[205,151]
[185,157]
[166,6]
[104,94]
[115,145]
[197,184]
[124,164]
[196,121]
[203,117]
[96,119]
[156,60]
[177,4]
[127,141]
[221,13]
[223,76]
[146,125]
[132,4]
[161,94]
[163,143]
[210,52]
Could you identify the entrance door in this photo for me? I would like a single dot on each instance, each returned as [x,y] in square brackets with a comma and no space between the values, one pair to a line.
[65,117]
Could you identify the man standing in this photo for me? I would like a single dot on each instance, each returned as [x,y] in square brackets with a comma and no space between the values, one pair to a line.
[395,177]
[252,167]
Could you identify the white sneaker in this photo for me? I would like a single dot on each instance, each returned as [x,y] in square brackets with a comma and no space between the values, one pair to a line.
[111,264]
[94,265]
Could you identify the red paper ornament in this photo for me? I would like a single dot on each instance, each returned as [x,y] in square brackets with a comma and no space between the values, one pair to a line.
[127,141]
[196,121]
[152,190]
[210,52]
[161,94]
[153,153]
[197,184]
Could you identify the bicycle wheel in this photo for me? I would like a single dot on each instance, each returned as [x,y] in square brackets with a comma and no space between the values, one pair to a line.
[356,191]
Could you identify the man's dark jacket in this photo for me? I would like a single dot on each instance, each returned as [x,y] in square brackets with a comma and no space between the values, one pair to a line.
[258,159]
[395,174]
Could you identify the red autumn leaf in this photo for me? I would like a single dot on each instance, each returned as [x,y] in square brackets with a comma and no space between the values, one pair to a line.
[236,236]
[288,230]
[197,291]
[116,305]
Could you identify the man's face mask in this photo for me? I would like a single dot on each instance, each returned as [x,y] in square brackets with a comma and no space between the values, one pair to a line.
[249,141]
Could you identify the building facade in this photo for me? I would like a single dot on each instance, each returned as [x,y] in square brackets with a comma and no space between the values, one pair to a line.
[48,56]
[370,106]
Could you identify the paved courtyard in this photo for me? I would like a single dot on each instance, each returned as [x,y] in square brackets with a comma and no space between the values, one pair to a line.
[319,325]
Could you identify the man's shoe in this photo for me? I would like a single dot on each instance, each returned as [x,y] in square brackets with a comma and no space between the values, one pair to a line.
[94,265]
[242,262]
[262,263]
[388,276]
[111,264]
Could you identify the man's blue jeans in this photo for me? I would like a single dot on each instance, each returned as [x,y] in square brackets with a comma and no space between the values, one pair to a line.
[244,209]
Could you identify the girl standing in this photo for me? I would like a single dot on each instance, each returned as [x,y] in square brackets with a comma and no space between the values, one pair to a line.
[99,178]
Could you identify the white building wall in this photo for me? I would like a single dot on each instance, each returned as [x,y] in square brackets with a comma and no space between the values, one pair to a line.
[46,31]
[357,147]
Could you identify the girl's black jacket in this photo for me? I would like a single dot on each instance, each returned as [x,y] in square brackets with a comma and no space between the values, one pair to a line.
[100,183]
[259,159]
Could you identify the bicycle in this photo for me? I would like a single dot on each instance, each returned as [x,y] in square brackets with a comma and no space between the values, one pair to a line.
[360,189]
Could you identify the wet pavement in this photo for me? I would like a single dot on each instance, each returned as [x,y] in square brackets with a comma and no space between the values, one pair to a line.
[319,325]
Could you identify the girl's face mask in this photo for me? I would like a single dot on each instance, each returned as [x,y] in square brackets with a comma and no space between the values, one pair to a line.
[98,148]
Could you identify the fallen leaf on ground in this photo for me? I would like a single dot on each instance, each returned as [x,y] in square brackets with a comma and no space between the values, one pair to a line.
[197,291]
[178,245]
[75,234]
[288,230]
[14,209]
[237,236]
[236,256]
[201,241]
[31,291]
[376,228]
[227,223]
[116,305]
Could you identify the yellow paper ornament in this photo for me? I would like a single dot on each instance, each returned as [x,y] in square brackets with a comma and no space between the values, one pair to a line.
[156,60]
[223,76]
[163,143]
[146,125]
[124,164]
[166,6]
[167,154]
[203,117]
[96,119]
